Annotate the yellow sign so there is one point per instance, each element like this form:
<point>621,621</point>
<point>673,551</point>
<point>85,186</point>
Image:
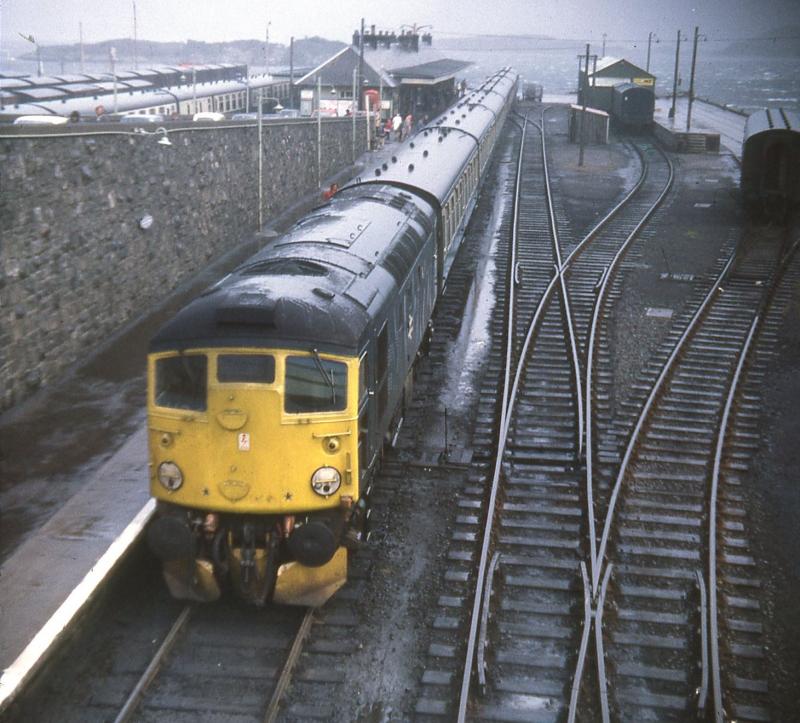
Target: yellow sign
<point>644,81</point>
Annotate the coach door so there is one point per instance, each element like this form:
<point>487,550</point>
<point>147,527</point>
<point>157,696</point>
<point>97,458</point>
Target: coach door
<point>367,432</point>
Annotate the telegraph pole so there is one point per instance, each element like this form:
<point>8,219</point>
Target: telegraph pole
<point>135,39</point>
<point>291,71</point>
<point>583,112</point>
<point>675,78</point>
<point>80,35</point>
<point>691,78</point>
<point>357,101</point>
<point>604,46</point>
<point>650,37</point>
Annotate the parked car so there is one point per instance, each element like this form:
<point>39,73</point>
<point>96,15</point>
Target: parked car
<point>208,115</point>
<point>40,120</point>
<point>142,118</point>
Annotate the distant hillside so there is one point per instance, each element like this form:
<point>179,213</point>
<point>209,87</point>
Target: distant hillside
<point>307,51</point>
<point>499,42</point>
<point>783,42</point>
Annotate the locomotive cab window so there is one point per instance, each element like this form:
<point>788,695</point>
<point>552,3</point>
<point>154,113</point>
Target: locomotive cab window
<point>246,368</point>
<point>314,384</point>
<point>181,382</point>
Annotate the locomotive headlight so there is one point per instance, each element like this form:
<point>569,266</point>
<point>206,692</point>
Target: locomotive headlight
<point>170,476</point>
<point>325,481</point>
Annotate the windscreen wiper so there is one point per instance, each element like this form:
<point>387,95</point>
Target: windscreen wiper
<point>327,376</point>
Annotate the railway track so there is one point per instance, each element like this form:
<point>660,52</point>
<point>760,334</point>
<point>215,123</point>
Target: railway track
<point>523,628</point>
<point>678,616</point>
<point>203,669</point>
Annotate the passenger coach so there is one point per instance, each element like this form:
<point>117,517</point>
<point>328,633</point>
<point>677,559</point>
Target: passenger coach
<point>771,163</point>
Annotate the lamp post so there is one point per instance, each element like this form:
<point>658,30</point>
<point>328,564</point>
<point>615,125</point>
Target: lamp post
<point>583,112</point>
<point>675,77</point>
<point>32,40</point>
<point>380,94</point>
<point>266,51</point>
<point>366,113</point>
<point>260,164</point>
<point>319,131</point>
<point>112,55</point>
<point>697,37</point>
<point>650,37</point>
<point>353,113</point>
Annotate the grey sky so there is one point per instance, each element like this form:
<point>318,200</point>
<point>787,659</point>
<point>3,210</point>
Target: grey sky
<point>213,20</point>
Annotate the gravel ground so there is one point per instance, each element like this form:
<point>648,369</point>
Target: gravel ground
<point>774,497</point>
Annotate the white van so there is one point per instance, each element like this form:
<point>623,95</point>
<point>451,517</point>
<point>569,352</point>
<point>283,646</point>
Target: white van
<point>40,120</point>
<point>208,115</point>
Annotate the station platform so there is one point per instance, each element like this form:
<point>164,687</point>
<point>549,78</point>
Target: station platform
<point>58,570</point>
<point>54,574</point>
<point>707,120</point>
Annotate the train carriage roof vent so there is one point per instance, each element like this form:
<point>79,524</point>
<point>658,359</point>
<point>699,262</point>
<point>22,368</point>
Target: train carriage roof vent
<point>285,267</point>
<point>323,293</point>
<point>248,309</point>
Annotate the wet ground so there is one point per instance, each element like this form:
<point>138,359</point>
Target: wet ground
<point>50,445</point>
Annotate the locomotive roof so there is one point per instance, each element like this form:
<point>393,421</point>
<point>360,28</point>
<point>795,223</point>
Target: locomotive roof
<point>321,285</point>
<point>433,158</point>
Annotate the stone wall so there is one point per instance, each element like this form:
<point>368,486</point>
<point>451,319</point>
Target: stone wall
<point>76,264</point>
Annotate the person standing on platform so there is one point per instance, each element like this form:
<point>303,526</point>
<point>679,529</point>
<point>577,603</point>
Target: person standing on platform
<point>408,125</point>
<point>397,126</point>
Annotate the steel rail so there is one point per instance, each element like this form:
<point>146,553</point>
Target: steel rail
<point>667,368</point>
<point>713,604</point>
<point>288,667</point>
<point>702,691</point>
<point>132,703</point>
<point>602,683</point>
<point>504,403</point>
<point>716,683</point>
<point>487,599</point>
<point>590,352</point>
<point>600,292</point>
<point>508,402</point>
<point>576,367</point>
<point>587,629</point>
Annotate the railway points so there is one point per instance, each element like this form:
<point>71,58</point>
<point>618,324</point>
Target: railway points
<point>665,270</point>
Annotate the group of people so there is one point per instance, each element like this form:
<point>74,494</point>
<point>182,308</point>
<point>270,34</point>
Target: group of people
<point>397,125</point>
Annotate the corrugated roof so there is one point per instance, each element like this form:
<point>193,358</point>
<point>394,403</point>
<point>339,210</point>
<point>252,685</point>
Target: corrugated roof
<point>434,70</point>
<point>610,67</point>
<point>338,70</point>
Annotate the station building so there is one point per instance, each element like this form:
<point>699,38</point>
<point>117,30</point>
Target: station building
<point>604,75</point>
<point>400,73</point>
